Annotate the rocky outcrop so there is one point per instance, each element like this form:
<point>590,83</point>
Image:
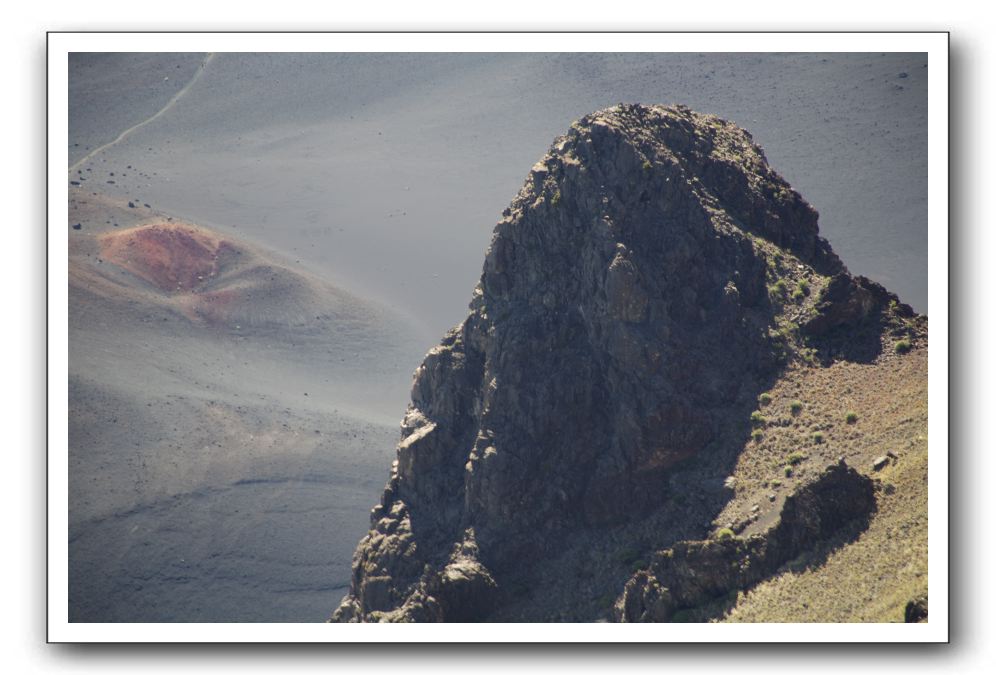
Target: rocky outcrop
<point>632,306</point>
<point>849,317</point>
<point>693,573</point>
<point>916,610</point>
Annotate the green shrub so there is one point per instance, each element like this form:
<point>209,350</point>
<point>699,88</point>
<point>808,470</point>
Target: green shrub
<point>788,472</point>
<point>764,399</point>
<point>797,294</point>
<point>780,287</point>
<point>756,435</point>
<point>903,346</point>
<point>724,534</point>
<point>796,457</point>
<point>796,407</point>
<point>647,166</point>
<point>555,200</point>
<point>803,286</point>
<point>851,417</point>
<point>757,419</point>
<point>776,482</point>
<point>818,437</point>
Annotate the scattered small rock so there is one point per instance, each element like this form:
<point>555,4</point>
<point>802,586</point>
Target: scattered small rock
<point>131,205</point>
<point>78,226</point>
<point>771,497</point>
<point>891,454</point>
<point>904,75</point>
<point>880,463</point>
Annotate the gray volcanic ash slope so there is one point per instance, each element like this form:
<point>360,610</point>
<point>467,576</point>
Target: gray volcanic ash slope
<point>203,448</point>
<point>652,280</point>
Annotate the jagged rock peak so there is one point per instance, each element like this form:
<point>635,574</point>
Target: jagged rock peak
<point>633,304</point>
<point>677,148</point>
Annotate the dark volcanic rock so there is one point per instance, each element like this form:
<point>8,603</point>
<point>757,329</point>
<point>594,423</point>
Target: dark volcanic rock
<point>693,573</point>
<point>623,319</point>
<point>848,317</point>
<point>916,610</point>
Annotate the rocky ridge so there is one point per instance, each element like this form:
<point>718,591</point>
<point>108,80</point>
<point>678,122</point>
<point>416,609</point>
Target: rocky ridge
<point>653,278</point>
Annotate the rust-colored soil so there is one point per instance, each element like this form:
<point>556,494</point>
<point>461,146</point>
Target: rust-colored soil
<point>174,257</point>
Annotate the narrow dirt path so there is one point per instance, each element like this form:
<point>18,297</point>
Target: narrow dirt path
<point>169,104</point>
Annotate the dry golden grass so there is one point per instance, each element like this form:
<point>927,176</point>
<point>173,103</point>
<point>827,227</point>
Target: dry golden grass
<point>872,578</point>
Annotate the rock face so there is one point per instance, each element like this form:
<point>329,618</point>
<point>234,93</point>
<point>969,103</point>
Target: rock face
<point>693,573</point>
<point>634,302</point>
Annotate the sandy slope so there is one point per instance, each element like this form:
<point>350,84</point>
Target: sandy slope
<point>222,458</point>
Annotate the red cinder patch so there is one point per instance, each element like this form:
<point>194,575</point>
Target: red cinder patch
<point>174,257</point>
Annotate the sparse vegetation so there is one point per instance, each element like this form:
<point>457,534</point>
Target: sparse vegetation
<point>819,400</point>
<point>647,166</point>
<point>796,457</point>
<point>788,330</point>
<point>803,286</point>
<point>779,287</point>
<point>555,200</point>
<point>903,346</point>
<point>724,534</point>
<point>764,399</point>
<point>851,417</point>
<point>798,294</point>
<point>756,435</point>
<point>757,419</point>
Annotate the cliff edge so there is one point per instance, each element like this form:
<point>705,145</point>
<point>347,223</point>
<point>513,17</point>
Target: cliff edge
<point>655,307</point>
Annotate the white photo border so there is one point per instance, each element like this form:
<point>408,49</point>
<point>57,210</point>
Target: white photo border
<point>60,44</point>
